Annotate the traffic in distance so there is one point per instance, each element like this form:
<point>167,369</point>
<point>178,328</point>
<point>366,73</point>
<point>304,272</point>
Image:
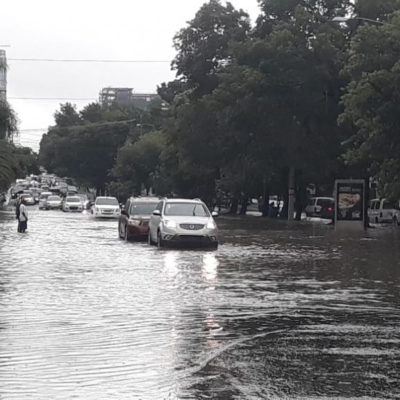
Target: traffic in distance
<point>160,221</point>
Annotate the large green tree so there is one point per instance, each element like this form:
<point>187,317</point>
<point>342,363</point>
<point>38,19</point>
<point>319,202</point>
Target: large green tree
<point>203,46</point>
<point>273,104</point>
<point>84,145</point>
<point>86,153</point>
<point>137,165</point>
<point>372,102</point>
<point>8,127</point>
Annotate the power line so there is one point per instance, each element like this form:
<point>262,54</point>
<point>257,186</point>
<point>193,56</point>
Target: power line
<point>55,98</point>
<point>89,60</point>
<point>33,129</point>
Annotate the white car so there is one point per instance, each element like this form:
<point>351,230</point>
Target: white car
<point>72,203</point>
<point>382,210</point>
<point>43,199</point>
<point>53,202</point>
<point>106,207</point>
<point>183,221</point>
<point>322,207</point>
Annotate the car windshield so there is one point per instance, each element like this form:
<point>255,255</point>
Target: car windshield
<point>389,205</point>
<point>186,209</point>
<point>107,202</point>
<point>54,198</point>
<point>73,200</point>
<point>142,208</point>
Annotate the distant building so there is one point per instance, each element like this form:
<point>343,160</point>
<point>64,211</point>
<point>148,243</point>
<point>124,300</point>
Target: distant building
<point>120,96</point>
<point>144,100</point>
<point>125,97</point>
<point>3,75</point>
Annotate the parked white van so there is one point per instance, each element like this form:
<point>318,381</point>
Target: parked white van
<point>382,210</point>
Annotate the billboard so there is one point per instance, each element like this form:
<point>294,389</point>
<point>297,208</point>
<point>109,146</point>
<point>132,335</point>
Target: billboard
<point>350,203</point>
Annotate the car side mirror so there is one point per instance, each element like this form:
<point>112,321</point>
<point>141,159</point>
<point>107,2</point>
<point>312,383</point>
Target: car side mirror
<point>214,214</point>
<point>157,212</point>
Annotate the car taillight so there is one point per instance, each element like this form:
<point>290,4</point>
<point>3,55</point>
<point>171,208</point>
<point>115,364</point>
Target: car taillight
<point>330,208</point>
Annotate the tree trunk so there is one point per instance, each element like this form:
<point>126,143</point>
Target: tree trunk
<point>243,208</point>
<point>234,206</point>
<point>298,206</point>
<point>265,204</point>
<point>301,196</point>
<point>284,212</point>
<point>291,195</point>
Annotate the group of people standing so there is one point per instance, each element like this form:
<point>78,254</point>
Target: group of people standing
<point>21,214</point>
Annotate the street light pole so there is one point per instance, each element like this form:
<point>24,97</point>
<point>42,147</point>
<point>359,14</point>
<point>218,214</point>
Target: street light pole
<point>347,19</point>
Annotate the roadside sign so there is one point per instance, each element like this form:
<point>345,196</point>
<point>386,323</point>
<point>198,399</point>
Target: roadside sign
<point>350,204</point>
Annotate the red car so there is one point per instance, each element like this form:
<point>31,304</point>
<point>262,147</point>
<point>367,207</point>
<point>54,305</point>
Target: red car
<point>134,219</point>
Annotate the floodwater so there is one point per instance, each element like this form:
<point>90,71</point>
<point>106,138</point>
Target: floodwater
<point>278,312</point>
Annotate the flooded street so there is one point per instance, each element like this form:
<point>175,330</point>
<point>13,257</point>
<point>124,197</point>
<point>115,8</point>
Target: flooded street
<point>275,313</point>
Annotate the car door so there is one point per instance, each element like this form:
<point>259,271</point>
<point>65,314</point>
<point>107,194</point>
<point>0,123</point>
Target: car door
<point>155,221</point>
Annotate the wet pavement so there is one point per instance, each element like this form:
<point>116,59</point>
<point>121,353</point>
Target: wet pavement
<point>278,312</point>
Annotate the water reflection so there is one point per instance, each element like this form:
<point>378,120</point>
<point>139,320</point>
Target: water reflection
<point>210,267</point>
<point>171,263</point>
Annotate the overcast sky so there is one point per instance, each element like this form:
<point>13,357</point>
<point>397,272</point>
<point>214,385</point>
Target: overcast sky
<point>87,29</point>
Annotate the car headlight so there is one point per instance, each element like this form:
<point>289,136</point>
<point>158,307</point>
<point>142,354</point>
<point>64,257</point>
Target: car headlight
<point>211,225</point>
<point>170,223</point>
<point>134,222</point>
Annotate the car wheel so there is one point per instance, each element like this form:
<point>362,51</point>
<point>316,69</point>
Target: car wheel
<point>160,242</point>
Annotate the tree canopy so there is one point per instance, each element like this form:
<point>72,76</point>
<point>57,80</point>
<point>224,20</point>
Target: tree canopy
<point>250,104</point>
<point>372,102</point>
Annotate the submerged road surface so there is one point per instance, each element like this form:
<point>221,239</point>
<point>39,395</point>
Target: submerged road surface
<point>278,312</point>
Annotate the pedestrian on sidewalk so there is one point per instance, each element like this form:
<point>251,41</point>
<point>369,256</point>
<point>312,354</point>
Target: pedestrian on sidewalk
<point>22,217</point>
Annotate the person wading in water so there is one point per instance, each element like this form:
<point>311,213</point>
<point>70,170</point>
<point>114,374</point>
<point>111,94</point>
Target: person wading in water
<point>22,216</point>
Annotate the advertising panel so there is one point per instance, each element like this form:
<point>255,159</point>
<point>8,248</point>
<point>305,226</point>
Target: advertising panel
<point>350,202</point>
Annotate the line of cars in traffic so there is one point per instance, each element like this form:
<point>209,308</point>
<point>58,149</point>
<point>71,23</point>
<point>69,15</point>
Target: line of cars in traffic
<point>162,222</point>
<point>73,202</point>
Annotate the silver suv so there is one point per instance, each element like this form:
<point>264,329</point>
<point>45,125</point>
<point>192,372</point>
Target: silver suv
<point>183,221</point>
